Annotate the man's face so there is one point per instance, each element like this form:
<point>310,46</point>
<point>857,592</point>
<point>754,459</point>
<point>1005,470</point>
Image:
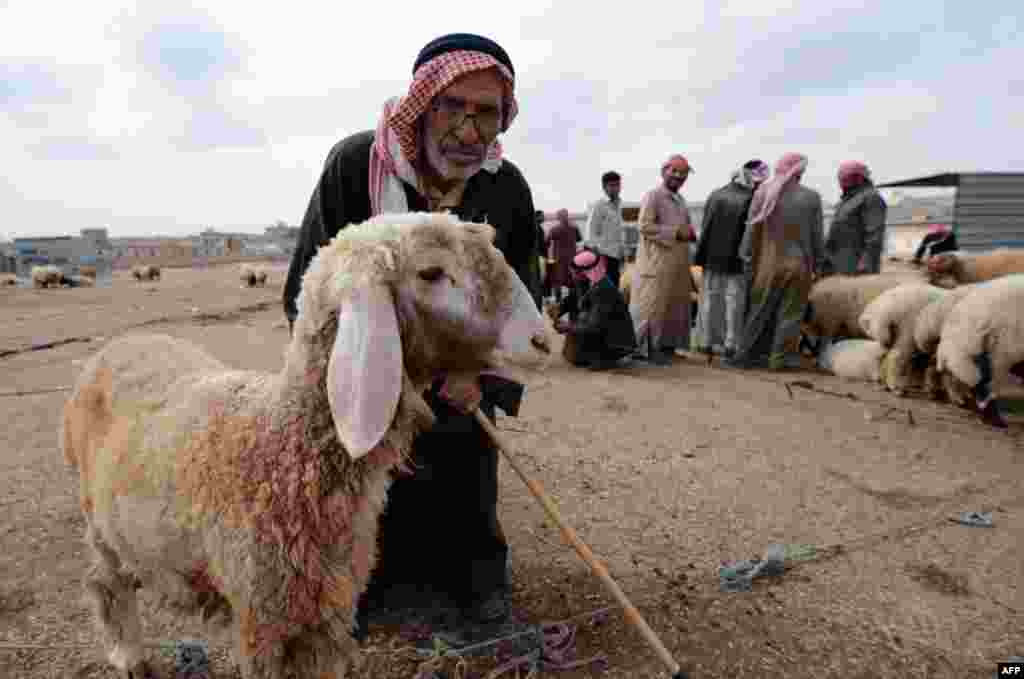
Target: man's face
<point>674,178</point>
<point>460,124</point>
<point>612,189</point>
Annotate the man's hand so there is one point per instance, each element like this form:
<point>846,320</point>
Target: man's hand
<point>462,392</point>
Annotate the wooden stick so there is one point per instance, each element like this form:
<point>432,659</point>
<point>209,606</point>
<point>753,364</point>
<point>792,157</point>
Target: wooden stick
<point>632,614</point>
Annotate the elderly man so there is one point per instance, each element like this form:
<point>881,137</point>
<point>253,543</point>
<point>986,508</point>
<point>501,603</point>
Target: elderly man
<point>660,297</point>
<point>560,246</point>
<point>601,325</point>
<point>436,149</point>
<point>723,301</point>
<point>782,251</point>
<point>604,228</point>
<point>856,238</point>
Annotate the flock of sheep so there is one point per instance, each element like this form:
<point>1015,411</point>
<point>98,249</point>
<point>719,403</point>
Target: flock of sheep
<point>253,498</point>
<point>50,276</point>
<point>925,330</point>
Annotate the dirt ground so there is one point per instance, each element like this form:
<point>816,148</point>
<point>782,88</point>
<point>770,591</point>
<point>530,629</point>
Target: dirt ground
<point>664,472</point>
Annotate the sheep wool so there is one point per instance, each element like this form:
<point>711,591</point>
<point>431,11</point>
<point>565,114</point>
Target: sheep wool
<point>989,319</point>
<point>890,320</point>
<point>835,303</point>
<point>854,359</point>
<point>46,276</point>
<point>254,498</point>
<point>978,267</point>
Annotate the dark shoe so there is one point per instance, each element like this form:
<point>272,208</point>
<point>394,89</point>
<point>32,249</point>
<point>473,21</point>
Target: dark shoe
<point>493,608</point>
<point>660,358</point>
<point>600,366</point>
<point>991,416</point>
<point>729,353</point>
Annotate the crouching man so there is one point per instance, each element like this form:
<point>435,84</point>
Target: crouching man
<point>602,329</point>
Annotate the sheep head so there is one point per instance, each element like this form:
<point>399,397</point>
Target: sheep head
<point>410,297</point>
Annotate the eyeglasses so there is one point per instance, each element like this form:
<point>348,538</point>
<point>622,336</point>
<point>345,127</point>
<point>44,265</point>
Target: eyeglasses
<point>486,120</point>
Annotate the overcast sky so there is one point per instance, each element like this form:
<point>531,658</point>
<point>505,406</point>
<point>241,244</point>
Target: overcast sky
<point>158,118</point>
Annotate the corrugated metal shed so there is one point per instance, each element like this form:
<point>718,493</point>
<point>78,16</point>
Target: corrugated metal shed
<point>988,210</point>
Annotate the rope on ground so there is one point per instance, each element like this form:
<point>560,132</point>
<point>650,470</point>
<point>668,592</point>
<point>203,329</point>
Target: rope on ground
<point>252,307</point>
<point>32,392</point>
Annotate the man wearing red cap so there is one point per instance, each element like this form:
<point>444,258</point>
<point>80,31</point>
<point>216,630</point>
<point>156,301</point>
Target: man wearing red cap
<point>436,149</point>
<point>856,238</point>
<point>660,298</point>
<point>602,327</point>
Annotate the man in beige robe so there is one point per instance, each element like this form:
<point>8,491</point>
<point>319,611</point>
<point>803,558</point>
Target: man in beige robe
<point>660,296</point>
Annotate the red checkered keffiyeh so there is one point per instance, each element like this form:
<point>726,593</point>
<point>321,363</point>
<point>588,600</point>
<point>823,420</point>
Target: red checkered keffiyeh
<point>396,144</point>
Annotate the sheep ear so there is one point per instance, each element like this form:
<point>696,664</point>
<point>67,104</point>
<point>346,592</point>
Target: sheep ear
<point>364,374</point>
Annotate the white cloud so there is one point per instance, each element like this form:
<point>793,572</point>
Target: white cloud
<point>158,117</point>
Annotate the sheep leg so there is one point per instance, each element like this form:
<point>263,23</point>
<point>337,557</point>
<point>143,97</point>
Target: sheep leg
<point>116,609</point>
<point>933,382</point>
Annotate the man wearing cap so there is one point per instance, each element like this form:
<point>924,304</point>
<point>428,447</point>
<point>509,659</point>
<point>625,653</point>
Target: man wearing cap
<point>940,238</point>
<point>602,326</point>
<point>660,297</point>
<point>856,238</point>
<point>436,149</point>
<point>723,301</point>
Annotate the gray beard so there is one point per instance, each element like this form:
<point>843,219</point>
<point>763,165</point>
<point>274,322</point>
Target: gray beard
<point>445,169</point>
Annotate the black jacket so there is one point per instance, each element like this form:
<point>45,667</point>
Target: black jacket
<point>603,317</point>
<point>721,231</point>
<point>342,197</point>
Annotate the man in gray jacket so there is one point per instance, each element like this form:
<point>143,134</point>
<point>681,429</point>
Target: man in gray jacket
<point>857,237</point>
<point>604,228</point>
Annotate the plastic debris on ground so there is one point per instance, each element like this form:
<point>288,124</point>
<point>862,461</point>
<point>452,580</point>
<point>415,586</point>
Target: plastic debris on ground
<point>191,660</point>
<point>738,576</point>
<point>977,519</point>
<point>515,645</point>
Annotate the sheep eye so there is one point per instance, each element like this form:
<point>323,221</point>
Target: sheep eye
<point>432,274</point>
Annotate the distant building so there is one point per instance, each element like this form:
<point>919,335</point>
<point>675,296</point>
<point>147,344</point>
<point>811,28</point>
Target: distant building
<point>987,207</point>
<point>69,253</point>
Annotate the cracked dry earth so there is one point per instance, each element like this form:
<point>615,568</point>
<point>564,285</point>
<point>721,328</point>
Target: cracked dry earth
<point>664,472</point>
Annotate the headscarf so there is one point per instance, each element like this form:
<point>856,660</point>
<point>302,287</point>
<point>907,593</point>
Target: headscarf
<point>676,162</point>
<point>396,145</point>
<point>849,169</point>
<point>787,171</point>
<point>752,173</point>
<point>590,265</point>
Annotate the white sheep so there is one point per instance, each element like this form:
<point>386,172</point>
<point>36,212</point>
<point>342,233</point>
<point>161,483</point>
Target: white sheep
<point>146,272</point>
<point>855,359</point>
<point>988,320</point>
<point>927,331</point>
<point>253,275</point>
<point>890,319</point>
<point>836,302</point>
<point>259,494</point>
<point>46,276</point>
<point>964,268</point>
